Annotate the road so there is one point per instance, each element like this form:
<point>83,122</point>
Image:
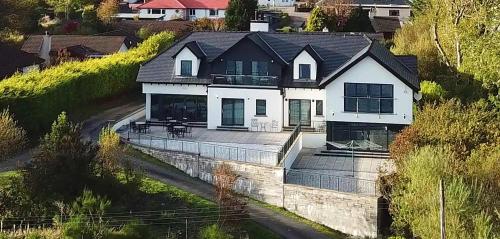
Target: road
<point>276,222</point>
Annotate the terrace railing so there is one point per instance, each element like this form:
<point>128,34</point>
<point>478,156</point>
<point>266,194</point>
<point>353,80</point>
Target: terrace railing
<point>289,142</point>
<point>331,182</point>
<point>217,151</point>
<point>245,80</point>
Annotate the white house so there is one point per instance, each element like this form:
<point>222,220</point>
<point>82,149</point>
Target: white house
<point>347,84</point>
<point>178,9</point>
<point>400,9</point>
<point>276,3</point>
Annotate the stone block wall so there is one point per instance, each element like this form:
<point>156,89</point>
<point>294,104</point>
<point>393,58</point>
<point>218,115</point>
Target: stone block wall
<point>349,213</point>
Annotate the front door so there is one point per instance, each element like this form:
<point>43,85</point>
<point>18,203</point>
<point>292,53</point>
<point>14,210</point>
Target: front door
<point>233,111</point>
<point>299,111</point>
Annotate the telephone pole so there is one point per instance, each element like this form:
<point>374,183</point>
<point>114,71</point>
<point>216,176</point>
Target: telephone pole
<point>441,208</point>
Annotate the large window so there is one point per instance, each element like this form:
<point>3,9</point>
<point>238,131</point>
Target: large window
<point>192,12</point>
<point>304,71</point>
<point>186,68</point>
<point>319,107</point>
<point>192,107</point>
<point>368,98</point>
<point>393,13</point>
<point>260,107</point>
<point>214,12</point>
<point>234,67</point>
<point>259,68</point>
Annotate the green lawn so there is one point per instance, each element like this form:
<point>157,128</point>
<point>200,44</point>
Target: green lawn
<point>6,176</point>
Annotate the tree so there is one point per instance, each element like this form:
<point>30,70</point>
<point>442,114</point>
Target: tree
<point>316,21</point>
<point>239,14</point>
<point>12,137</point>
<point>66,7</point>
<point>231,206</point>
<point>106,10</point>
<point>109,152</point>
<point>64,164</point>
<point>339,12</point>
<point>20,15</point>
<point>207,24</point>
<point>357,21</point>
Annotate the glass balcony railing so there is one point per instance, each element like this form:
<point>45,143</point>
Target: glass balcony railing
<point>245,80</point>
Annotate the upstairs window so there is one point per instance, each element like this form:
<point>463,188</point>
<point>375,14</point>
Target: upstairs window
<point>234,67</point>
<point>394,13</point>
<point>186,68</point>
<point>259,68</point>
<point>214,12</point>
<point>260,107</point>
<point>304,71</point>
<point>368,98</point>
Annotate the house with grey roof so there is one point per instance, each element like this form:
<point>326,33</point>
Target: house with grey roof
<point>399,9</point>
<point>346,86</point>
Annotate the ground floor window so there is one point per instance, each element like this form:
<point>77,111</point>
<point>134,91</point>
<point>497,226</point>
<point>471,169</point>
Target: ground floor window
<point>233,112</point>
<point>365,136</point>
<point>192,107</point>
<point>299,111</point>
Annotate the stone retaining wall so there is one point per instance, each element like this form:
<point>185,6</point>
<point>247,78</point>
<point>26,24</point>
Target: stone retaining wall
<point>349,213</point>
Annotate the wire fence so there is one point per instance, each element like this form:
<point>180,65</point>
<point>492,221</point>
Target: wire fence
<point>206,149</point>
<point>331,182</point>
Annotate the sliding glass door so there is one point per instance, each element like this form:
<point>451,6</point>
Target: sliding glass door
<point>299,111</point>
<point>233,111</point>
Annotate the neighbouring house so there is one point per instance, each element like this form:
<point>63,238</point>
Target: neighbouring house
<point>347,83</point>
<point>386,25</point>
<point>75,47</point>
<point>174,9</point>
<point>131,27</point>
<point>379,8</point>
<point>13,60</point>
<point>276,3</point>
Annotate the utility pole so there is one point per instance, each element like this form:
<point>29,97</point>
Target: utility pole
<point>441,208</point>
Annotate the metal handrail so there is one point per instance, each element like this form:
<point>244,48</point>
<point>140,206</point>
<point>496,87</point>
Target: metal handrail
<point>244,80</point>
<point>289,142</point>
<point>214,150</point>
<point>331,182</point>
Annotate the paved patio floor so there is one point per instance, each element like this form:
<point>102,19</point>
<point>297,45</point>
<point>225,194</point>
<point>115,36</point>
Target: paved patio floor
<point>263,140</point>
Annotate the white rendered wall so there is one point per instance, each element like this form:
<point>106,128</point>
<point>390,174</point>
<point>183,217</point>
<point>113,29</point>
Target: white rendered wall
<point>384,12</point>
<point>123,48</point>
<point>259,26</point>
<point>202,13</point>
<point>186,54</point>
<point>274,110</point>
<point>169,14</point>
<point>369,71</point>
<point>304,94</point>
<point>174,89</point>
<point>304,58</point>
<point>277,3</point>
<point>313,140</point>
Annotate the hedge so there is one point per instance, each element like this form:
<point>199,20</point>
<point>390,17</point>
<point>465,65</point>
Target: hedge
<point>37,98</point>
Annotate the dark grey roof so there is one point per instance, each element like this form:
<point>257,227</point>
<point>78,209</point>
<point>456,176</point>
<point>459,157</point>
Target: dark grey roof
<point>410,61</point>
<point>335,49</point>
<point>385,24</point>
<point>194,47</point>
<point>13,59</point>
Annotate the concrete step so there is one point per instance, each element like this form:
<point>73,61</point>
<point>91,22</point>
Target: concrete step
<point>197,124</point>
<point>303,128</point>
<point>232,128</point>
<point>355,154</point>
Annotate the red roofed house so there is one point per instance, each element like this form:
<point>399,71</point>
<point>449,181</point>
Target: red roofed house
<point>181,9</point>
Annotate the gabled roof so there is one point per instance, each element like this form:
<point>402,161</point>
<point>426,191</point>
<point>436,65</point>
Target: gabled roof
<point>185,4</point>
<point>194,47</point>
<point>104,44</point>
<point>410,61</point>
<point>13,59</point>
<point>385,58</point>
<point>313,53</point>
<point>338,51</point>
<point>385,24</point>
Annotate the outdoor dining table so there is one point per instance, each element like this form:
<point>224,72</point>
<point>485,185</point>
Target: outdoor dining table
<point>141,126</point>
<point>179,129</point>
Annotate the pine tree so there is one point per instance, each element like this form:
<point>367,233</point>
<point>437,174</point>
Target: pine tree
<point>239,14</point>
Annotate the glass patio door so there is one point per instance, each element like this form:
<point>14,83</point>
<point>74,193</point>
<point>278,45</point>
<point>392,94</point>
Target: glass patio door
<point>299,111</point>
<point>233,111</point>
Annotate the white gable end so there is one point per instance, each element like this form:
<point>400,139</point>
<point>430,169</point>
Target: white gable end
<point>369,71</point>
<point>304,58</point>
<point>187,55</point>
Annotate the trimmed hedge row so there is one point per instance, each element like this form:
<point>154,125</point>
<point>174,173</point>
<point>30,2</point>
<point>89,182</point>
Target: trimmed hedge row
<point>37,98</point>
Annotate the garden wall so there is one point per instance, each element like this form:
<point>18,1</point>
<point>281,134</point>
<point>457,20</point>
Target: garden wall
<point>349,213</point>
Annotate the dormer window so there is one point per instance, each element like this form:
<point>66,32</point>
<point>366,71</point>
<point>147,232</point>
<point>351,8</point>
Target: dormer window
<point>186,68</point>
<point>304,71</point>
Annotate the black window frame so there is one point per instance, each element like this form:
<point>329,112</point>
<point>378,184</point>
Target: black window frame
<point>192,12</point>
<point>394,13</point>
<point>215,11</point>
<point>369,98</point>
<point>258,108</point>
<point>183,72</point>
<point>156,11</point>
<point>319,107</point>
<point>308,70</point>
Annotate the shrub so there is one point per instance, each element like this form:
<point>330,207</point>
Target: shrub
<point>432,91</point>
<point>214,232</point>
<point>109,151</point>
<point>12,137</point>
<point>37,98</point>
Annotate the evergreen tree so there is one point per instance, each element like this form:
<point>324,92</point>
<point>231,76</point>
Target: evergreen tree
<point>358,21</point>
<point>317,20</point>
<point>239,13</point>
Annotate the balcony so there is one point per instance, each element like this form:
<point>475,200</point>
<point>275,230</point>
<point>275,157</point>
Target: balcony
<point>245,80</point>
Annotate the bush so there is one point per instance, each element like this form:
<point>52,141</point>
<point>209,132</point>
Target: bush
<point>214,232</point>
<point>37,98</point>
<point>432,91</point>
<point>12,137</point>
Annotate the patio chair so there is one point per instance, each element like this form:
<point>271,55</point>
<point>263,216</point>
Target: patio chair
<point>189,131</point>
<point>274,126</point>
<point>147,127</point>
<point>133,126</point>
<point>254,124</point>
